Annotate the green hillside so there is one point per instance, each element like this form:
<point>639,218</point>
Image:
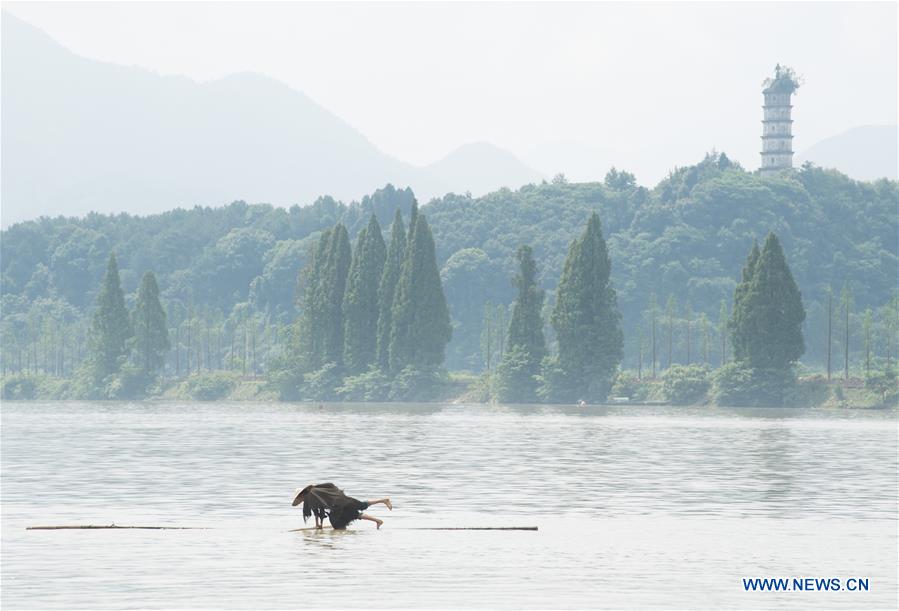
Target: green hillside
<point>685,238</point>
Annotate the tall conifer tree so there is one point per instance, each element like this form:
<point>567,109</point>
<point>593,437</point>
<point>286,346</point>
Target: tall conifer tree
<point>387,288</point>
<point>526,345</point>
<point>768,313</point>
<point>421,324</point>
<point>526,326</point>
<point>111,328</point>
<point>413,217</point>
<point>360,304</point>
<point>309,288</point>
<point>586,318</point>
<point>738,328</point>
<point>151,332</point>
<point>333,287</point>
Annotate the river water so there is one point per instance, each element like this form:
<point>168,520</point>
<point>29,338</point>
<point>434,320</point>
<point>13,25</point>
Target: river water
<point>637,507</point>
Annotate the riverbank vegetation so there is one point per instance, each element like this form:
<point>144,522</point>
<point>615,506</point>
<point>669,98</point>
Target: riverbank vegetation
<point>527,290</point>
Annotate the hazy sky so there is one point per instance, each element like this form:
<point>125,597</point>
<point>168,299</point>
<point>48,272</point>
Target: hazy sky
<point>567,87</point>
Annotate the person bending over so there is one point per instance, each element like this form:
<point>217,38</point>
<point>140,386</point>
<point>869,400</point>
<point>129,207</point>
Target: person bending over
<point>329,501</point>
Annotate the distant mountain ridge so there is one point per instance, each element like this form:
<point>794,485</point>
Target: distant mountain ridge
<point>472,165</point>
<point>80,135</point>
<point>869,152</point>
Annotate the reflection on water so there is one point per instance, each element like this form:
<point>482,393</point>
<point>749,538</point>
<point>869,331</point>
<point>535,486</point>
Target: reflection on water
<point>637,507</point>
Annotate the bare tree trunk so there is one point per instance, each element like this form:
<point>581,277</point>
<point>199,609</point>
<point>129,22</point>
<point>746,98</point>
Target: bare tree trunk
<point>723,349</point>
<point>640,360</point>
<point>846,341</point>
<point>829,331</point>
<point>62,355</point>
<point>867,351</point>
<point>689,339</point>
<point>706,356</point>
<point>670,342</point>
<point>488,343</point>
<point>189,325</point>
<point>147,340</point>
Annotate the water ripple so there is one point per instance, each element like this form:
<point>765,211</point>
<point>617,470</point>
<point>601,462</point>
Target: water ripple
<point>645,507</point>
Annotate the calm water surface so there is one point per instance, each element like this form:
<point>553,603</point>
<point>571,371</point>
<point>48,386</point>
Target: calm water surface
<point>637,507</point>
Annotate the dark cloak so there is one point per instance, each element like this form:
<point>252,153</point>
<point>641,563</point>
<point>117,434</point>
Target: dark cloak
<point>329,501</point>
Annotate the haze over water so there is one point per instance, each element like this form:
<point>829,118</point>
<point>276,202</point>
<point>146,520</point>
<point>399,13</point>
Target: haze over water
<point>637,507</point>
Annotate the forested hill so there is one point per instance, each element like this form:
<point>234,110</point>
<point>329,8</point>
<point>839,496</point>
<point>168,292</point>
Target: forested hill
<point>685,238</point>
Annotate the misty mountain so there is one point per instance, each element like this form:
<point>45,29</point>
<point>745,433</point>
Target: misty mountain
<point>481,168</point>
<point>80,135</point>
<point>864,153</point>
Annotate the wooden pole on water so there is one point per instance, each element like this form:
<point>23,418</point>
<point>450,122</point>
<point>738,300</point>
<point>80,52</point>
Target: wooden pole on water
<point>532,528</point>
<point>474,528</point>
<point>310,528</point>
<point>98,526</point>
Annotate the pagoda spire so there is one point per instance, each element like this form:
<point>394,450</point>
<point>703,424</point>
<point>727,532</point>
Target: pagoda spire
<point>777,124</point>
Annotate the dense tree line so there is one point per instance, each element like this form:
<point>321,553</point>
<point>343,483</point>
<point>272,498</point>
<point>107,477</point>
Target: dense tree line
<point>126,350</point>
<point>227,275</point>
<point>374,322</point>
<point>332,350</point>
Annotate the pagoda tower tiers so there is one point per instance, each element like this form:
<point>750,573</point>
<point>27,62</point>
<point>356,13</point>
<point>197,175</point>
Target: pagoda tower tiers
<point>777,124</point>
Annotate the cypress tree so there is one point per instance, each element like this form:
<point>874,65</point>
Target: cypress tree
<point>413,217</point>
<point>738,328</point>
<point>311,322</point>
<point>526,343</point>
<point>151,332</point>
<point>332,289</point>
<point>526,326</point>
<point>360,304</point>
<point>586,318</point>
<point>768,312</point>
<point>387,288</point>
<point>421,324</point>
<point>111,328</point>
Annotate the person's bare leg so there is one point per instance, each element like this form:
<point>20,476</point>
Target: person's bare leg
<point>382,502</point>
<point>365,516</point>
